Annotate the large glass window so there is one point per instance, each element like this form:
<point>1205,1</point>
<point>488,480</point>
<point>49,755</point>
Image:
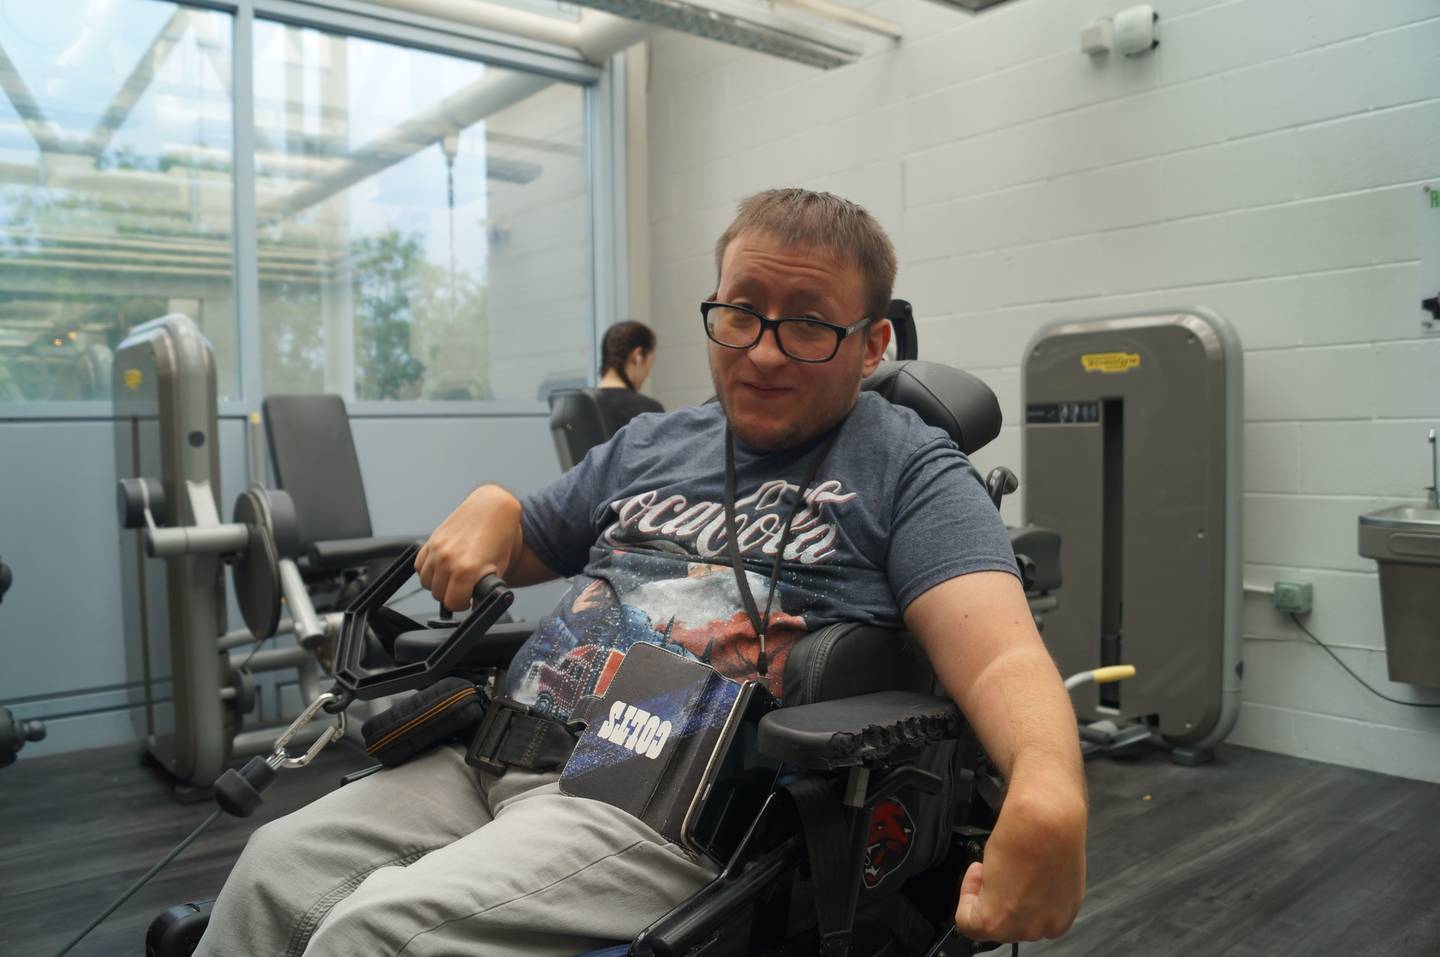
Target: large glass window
<point>422,222</point>
<point>115,187</point>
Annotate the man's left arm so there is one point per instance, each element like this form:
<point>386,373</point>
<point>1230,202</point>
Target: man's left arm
<point>979,635</point>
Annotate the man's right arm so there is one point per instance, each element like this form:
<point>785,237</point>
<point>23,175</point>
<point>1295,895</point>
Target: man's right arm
<point>483,536</point>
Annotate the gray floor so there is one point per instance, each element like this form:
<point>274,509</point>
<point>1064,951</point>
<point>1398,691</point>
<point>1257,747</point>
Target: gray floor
<point>1256,854</point>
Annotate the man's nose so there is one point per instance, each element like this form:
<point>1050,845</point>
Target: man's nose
<point>767,352</point>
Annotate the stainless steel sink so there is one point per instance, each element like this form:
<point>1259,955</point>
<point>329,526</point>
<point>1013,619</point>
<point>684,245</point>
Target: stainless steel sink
<point>1404,533</point>
<point>1405,542</point>
<point>1404,514</point>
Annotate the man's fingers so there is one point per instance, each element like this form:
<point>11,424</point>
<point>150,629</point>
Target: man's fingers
<point>440,583</point>
<point>459,591</point>
<point>968,911</point>
<point>970,884</point>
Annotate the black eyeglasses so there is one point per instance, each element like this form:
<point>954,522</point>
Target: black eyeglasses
<point>800,338</point>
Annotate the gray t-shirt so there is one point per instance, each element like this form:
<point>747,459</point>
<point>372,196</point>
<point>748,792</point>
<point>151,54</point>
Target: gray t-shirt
<point>640,524</point>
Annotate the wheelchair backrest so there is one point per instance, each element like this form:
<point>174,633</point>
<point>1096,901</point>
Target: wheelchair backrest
<point>947,398</point>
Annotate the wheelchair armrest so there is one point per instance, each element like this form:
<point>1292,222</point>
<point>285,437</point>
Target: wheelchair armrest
<point>494,649</point>
<point>865,730</point>
<point>347,552</point>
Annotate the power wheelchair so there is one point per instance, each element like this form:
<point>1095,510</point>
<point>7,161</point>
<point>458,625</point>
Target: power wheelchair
<point>889,796</point>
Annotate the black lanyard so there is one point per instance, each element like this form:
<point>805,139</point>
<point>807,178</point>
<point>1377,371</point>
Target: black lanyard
<point>731,536</point>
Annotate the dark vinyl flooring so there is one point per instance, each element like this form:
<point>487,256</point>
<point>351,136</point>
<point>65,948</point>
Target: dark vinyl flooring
<point>1255,854</point>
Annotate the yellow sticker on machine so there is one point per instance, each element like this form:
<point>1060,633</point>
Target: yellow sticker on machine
<point>1108,362</point>
<point>133,378</point>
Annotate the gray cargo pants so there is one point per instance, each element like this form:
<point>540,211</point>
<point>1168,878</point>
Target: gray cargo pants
<point>433,857</point>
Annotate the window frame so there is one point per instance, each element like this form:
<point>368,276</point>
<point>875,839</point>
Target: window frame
<point>605,167</point>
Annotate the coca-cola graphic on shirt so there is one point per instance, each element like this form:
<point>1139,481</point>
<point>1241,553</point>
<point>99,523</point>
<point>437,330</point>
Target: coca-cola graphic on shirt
<point>666,579</point>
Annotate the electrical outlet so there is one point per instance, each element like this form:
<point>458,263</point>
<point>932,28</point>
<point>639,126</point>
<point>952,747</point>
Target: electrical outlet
<point>1294,597</point>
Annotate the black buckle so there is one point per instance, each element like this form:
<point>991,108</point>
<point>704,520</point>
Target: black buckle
<point>500,716</point>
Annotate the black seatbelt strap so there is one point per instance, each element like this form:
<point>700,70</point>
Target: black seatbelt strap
<point>827,844</point>
<point>733,546</point>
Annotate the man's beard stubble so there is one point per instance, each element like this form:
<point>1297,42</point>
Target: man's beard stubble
<point>798,433</point>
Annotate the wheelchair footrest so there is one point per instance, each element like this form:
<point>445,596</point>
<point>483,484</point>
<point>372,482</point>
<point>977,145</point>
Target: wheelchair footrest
<point>866,730</point>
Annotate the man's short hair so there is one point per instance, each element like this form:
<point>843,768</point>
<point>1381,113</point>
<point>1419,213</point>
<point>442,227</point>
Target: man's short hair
<point>825,222</point>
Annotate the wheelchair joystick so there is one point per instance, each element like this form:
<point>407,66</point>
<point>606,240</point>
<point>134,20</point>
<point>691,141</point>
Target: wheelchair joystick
<point>1000,483</point>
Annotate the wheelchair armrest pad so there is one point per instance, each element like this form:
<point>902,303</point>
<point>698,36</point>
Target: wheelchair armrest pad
<point>494,649</point>
<point>865,730</point>
<point>356,551</point>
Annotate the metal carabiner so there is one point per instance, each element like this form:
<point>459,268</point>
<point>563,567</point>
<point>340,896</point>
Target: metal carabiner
<point>329,734</point>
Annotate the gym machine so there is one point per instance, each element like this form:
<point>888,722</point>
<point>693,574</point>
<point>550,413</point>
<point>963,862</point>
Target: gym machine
<point>1132,441</point>
<point>178,649</point>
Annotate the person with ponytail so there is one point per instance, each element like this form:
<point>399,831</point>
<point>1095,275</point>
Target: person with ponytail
<point>627,353</point>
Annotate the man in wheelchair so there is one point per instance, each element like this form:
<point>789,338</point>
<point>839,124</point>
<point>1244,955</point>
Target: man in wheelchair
<point>723,532</point>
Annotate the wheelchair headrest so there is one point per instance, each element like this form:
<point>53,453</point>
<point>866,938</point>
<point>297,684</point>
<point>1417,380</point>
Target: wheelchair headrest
<point>942,396</point>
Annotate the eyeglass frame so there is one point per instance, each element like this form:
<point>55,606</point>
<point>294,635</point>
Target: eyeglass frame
<point>841,332</point>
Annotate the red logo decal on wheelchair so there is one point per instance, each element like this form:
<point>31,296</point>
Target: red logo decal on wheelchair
<point>891,831</point>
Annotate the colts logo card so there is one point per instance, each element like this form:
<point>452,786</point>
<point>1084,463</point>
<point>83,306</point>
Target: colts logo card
<point>649,740</point>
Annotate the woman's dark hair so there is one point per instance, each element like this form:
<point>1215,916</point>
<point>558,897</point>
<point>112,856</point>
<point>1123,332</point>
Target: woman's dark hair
<point>620,340</point>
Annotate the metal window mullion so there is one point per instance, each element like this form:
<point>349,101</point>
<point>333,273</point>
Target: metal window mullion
<point>247,253</point>
<point>601,176</point>
<point>618,186</point>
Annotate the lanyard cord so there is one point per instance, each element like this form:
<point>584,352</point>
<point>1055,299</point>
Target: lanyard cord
<point>733,546</point>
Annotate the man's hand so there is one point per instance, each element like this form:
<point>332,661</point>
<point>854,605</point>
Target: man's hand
<point>481,537</point>
<point>1032,880</point>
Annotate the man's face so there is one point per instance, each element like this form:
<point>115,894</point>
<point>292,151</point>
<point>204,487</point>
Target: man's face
<point>770,400</point>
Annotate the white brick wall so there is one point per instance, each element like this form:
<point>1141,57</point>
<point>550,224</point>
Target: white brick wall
<point>1264,162</point>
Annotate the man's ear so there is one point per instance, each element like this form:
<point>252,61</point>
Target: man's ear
<point>877,340</point>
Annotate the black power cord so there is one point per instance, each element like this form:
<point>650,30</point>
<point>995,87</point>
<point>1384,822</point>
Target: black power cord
<point>1409,704</point>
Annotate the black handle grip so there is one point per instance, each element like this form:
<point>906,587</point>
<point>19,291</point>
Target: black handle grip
<point>483,589</point>
<point>134,495</point>
<point>486,586</point>
<point>1000,483</point>
<point>491,598</point>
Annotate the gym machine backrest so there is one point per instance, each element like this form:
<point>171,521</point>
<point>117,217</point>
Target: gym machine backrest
<point>313,454</point>
<point>581,419</point>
